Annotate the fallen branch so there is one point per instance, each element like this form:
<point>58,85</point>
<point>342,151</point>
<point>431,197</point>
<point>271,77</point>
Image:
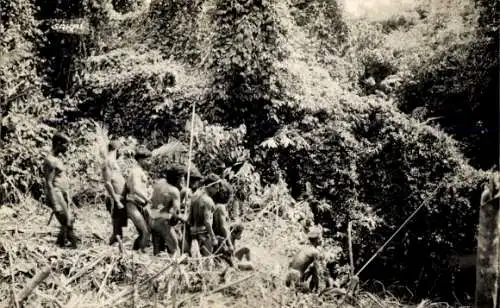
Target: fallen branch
<point>15,230</point>
<point>33,283</point>
<point>221,288</point>
<point>336,291</point>
<point>97,236</point>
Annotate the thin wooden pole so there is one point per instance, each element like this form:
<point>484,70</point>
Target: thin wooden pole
<point>351,255</point>
<point>186,207</point>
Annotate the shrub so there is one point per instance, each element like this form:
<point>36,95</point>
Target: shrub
<point>138,93</point>
<point>457,85</point>
<point>369,164</point>
<point>22,135</point>
<point>244,82</point>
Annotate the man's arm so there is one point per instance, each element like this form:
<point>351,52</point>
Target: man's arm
<point>208,208</point>
<point>50,173</point>
<point>225,227</point>
<point>176,207</point>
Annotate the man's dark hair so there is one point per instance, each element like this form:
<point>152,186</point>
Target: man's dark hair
<point>174,174</point>
<point>223,190</point>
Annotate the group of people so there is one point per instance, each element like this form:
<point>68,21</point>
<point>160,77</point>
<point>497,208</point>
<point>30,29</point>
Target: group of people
<point>155,211</point>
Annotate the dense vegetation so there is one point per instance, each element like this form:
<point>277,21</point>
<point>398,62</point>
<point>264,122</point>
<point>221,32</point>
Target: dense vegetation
<point>285,90</point>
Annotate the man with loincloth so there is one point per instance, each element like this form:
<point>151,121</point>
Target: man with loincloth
<point>57,190</point>
<point>138,197</point>
<point>114,182</point>
<point>200,217</point>
<point>220,223</point>
<point>166,203</point>
<point>187,193</point>
<point>306,263</point>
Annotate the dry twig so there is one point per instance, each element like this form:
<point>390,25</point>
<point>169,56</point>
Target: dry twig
<point>103,283</point>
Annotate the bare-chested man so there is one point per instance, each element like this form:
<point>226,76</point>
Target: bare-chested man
<point>137,199</point>
<point>57,190</point>
<point>221,216</point>
<point>200,217</point>
<point>114,182</point>
<point>305,264</point>
<point>166,197</point>
<point>230,253</point>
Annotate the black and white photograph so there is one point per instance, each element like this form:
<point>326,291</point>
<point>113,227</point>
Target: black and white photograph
<point>249,153</point>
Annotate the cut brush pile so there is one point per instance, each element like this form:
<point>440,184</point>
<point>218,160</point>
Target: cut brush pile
<point>97,275</point>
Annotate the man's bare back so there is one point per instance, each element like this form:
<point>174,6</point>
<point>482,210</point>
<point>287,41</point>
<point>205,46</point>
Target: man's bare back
<point>304,258</point>
<point>166,197</point>
<point>201,211</point>
<point>114,182</point>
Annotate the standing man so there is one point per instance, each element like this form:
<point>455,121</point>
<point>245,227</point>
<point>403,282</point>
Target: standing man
<point>138,197</point>
<point>221,216</point>
<point>114,182</point>
<point>200,217</point>
<point>166,196</point>
<point>187,194</point>
<point>57,189</point>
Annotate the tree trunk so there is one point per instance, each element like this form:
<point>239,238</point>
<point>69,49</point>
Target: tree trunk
<point>487,249</point>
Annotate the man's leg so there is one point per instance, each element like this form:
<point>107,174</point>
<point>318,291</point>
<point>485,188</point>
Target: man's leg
<point>312,272</point>
<point>135,215</point>
<point>292,278</point>
<point>171,240</point>
<point>119,221</point>
<point>194,248</point>
<point>156,234</point>
<point>73,239</point>
<point>110,208</point>
<point>61,214</point>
